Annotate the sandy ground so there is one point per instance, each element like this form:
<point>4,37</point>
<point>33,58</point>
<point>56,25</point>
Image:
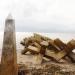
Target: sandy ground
<point>27,59</point>
<point>32,60</point>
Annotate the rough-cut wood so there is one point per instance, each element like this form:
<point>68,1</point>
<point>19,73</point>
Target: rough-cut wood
<point>53,49</point>
<point>51,42</point>
<point>9,56</point>
<point>36,45</point>
<point>72,56</point>
<point>46,59</point>
<point>60,55</point>
<point>44,43</point>
<point>71,45</point>
<point>66,50</point>
<point>37,37</point>
<point>38,58</point>
<point>72,42</point>
<point>68,59</point>
<point>51,54</point>
<point>33,49</point>
<point>55,56</point>
<point>60,44</point>
<point>63,61</point>
<point>41,37</point>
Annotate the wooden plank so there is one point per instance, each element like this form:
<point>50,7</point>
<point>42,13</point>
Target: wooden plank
<point>41,37</point>
<point>62,46</point>
<point>72,56</point>
<point>38,58</point>
<point>51,54</point>
<point>44,43</point>
<point>60,55</point>
<point>63,61</point>
<point>37,37</point>
<point>59,43</point>
<point>51,42</point>
<point>36,45</point>
<point>46,59</point>
<point>33,49</point>
<point>68,59</point>
<point>54,55</point>
<point>71,44</point>
<point>65,51</point>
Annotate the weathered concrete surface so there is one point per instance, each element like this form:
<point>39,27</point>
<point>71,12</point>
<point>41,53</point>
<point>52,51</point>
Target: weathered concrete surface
<point>9,57</point>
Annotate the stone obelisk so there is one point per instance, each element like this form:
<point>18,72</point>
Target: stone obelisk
<point>9,56</point>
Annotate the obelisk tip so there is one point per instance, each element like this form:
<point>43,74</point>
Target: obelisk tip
<point>9,16</point>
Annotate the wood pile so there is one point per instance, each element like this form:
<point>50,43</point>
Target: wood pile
<point>55,50</point>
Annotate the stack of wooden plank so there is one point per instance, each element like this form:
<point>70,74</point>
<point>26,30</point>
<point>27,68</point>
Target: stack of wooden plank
<point>55,50</point>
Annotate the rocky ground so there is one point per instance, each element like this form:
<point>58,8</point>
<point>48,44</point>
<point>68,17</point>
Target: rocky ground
<point>50,68</point>
<point>27,66</point>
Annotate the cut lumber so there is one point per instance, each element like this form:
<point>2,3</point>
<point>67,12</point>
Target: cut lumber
<point>55,56</point>
<point>52,49</point>
<point>72,56</point>
<point>51,54</point>
<point>68,59</point>
<point>71,44</point>
<point>44,43</point>
<point>62,46</point>
<point>59,43</point>
<point>51,42</point>
<point>33,49</point>
<point>63,61</point>
<point>36,45</point>
<point>46,59</point>
<point>38,58</point>
<point>37,37</point>
<point>60,55</point>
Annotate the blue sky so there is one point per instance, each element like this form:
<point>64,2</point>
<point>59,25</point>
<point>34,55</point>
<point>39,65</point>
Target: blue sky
<point>39,15</point>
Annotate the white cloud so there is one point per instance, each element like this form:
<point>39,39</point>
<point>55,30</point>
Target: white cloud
<point>49,14</point>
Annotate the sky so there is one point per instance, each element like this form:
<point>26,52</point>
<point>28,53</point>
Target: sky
<point>39,15</point>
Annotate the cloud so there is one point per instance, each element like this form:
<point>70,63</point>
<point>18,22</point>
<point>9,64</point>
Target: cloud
<point>40,15</point>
